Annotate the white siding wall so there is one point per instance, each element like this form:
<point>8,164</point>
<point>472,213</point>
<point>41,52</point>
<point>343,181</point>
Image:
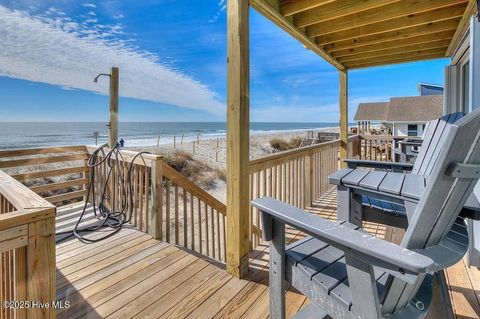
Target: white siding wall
<point>401,129</point>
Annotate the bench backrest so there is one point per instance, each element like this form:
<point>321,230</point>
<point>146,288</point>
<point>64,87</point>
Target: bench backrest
<point>443,198</point>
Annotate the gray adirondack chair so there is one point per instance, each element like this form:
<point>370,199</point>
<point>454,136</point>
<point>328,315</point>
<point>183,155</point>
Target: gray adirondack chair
<point>391,211</point>
<point>347,273</point>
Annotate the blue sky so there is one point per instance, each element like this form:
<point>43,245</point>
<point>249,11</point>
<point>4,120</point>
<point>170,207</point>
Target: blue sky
<point>172,57</point>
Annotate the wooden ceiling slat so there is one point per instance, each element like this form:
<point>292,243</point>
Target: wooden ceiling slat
<point>394,24</point>
<point>434,47</point>
<point>337,9</point>
<point>407,33</point>
<point>290,7</point>
<point>406,8</point>
<point>430,39</point>
<point>463,25</point>
<point>399,59</point>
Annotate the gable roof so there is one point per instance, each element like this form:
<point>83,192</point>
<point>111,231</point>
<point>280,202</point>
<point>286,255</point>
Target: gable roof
<point>376,112</point>
<point>402,109</point>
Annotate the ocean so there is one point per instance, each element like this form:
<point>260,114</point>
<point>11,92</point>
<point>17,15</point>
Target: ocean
<point>38,134</point>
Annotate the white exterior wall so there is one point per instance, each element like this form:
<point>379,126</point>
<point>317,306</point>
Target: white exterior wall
<point>401,129</point>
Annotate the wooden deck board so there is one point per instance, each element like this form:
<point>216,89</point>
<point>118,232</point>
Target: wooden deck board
<point>130,275</point>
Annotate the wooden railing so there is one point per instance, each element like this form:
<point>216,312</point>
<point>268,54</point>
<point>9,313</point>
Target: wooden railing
<point>142,210</point>
<point>27,252</point>
<point>57,174</point>
<point>296,176</point>
<point>166,204</point>
<point>193,218</point>
<point>376,147</point>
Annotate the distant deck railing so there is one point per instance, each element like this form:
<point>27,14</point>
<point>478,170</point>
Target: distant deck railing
<point>27,252</point>
<point>297,176</point>
<point>58,174</point>
<point>376,147</point>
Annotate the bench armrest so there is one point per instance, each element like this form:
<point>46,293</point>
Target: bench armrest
<point>396,167</point>
<point>363,246</point>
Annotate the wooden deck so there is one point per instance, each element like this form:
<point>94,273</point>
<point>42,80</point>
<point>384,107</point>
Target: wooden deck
<point>130,275</point>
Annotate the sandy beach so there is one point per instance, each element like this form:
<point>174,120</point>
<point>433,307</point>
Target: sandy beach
<point>212,151</point>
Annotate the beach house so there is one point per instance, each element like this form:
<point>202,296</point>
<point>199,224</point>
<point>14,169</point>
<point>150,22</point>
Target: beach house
<point>400,116</point>
<point>187,254</point>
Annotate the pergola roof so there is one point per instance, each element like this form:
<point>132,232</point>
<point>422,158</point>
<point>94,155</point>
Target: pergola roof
<point>361,33</point>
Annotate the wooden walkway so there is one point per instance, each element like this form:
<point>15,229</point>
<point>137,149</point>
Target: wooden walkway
<point>130,275</point>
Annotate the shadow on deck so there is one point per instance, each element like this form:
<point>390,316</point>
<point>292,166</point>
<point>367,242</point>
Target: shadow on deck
<point>131,275</point>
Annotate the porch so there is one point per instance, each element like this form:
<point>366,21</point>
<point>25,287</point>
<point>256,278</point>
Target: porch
<point>131,275</point>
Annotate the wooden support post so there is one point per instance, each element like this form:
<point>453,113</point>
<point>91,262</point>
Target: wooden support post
<point>181,140</point>
<point>41,267</point>
<point>114,81</point>
<point>193,147</point>
<point>198,138</point>
<point>238,117</point>
<point>343,118</point>
<point>158,141</point>
<point>156,221</point>
<point>174,142</point>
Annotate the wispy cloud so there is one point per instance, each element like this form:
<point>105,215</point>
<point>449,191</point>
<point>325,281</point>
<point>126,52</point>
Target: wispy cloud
<point>69,52</point>
<point>222,6</point>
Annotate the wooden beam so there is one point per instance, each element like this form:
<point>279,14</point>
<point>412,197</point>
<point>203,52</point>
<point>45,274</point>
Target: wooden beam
<point>462,26</point>
<point>275,16</point>
<point>238,105</point>
<point>427,29</point>
<point>432,47</point>
<point>393,24</point>
<point>114,78</point>
<point>405,8</point>
<point>393,60</point>
<point>40,257</point>
<point>290,7</point>
<point>337,9</point>
<point>343,79</point>
<point>398,43</point>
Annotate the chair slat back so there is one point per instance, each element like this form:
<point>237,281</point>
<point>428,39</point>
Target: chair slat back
<point>443,198</point>
<point>431,145</point>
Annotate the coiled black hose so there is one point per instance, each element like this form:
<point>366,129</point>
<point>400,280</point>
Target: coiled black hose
<point>106,218</point>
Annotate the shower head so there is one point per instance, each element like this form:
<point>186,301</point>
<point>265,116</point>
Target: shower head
<point>95,80</point>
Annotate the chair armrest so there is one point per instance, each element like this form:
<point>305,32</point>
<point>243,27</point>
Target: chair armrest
<point>396,167</point>
<point>363,246</point>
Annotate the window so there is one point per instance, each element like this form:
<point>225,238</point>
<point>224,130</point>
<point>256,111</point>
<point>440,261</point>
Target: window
<point>412,129</point>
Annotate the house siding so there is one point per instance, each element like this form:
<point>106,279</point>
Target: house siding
<point>401,129</point>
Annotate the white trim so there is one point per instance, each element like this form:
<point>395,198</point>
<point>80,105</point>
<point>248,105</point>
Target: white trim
<point>474,92</point>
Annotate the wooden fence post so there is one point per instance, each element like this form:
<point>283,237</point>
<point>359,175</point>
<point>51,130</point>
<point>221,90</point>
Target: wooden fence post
<point>41,273</point>
<point>113,94</point>
<point>156,221</point>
